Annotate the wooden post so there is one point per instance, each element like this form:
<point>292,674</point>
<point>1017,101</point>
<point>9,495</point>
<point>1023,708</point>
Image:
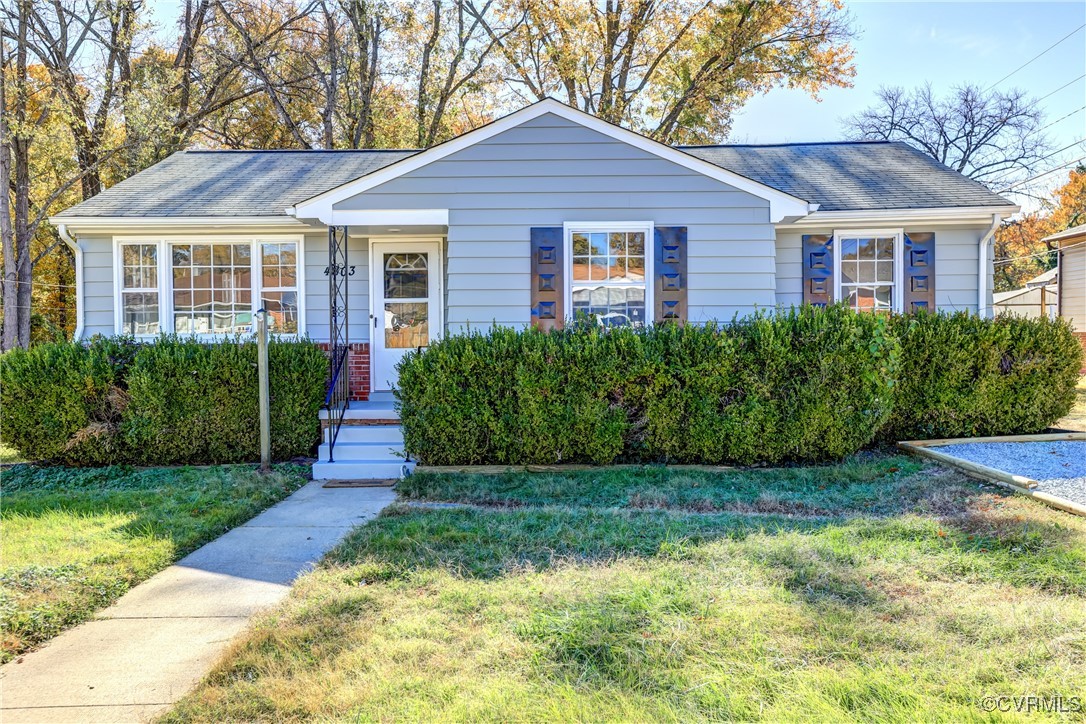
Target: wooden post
<point>262,381</point>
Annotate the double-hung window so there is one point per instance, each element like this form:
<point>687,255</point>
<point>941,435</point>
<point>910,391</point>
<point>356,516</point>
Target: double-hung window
<point>868,270</point>
<point>208,287</point>
<point>610,273</point>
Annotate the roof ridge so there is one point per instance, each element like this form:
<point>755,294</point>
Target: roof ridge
<point>791,144</point>
<point>301,150</point>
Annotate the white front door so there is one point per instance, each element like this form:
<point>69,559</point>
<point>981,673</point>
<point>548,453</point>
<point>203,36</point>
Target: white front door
<point>406,297</point>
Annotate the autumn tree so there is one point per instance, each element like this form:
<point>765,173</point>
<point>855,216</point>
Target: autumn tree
<point>1020,253</point>
<point>987,135</point>
<point>676,71</point>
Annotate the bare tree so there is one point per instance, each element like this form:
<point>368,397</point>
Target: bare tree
<point>362,69</point>
<point>986,135</point>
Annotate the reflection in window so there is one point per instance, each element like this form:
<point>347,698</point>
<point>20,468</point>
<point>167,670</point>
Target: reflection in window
<point>139,289</point>
<point>212,288</point>
<point>407,325</point>
<point>279,285</point>
<point>867,273</point>
<point>609,277</point>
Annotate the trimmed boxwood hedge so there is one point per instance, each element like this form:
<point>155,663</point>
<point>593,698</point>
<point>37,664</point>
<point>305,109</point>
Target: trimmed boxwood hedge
<point>173,401</point>
<point>802,385</point>
<point>767,389</point>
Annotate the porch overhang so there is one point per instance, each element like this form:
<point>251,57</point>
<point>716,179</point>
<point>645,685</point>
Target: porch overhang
<point>384,221</point>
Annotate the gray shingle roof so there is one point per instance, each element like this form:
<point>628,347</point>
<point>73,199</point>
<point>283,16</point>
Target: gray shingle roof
<point>232,183</point>
<point>853,175</point>
<point>838,176</point>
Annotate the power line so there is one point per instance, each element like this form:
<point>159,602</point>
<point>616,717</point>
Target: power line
<point>1005,176</point>
<point>1064,118</point>
<point>1075,80</point>
<point>999,262</point>
<point>1034,178</point>
<point>993,85</point>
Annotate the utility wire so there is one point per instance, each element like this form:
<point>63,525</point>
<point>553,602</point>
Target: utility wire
<point>993,85</point>
<point>1006,176</point>
<point>1034,178</point>
<point>1064,118</point>
<point>1075,80</point>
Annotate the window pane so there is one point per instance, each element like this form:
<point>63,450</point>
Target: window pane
<point>212,291</point>
<point>406,276</point>
<point>611,306</point>
<point>866,271</point>
<point>885,271</point>
<point>618,244</point>
<point>139,266</point>
<point>139,313</point>
<point>885,248</point>
<point>598,268</point>
<point>580,244</point>
<point>407,325</point>
<point>282,309</point>
<point>866,249</point>
<point>848,249</point>
<point>598,244</point>
<point>849,273</point>
<point>580,267</point>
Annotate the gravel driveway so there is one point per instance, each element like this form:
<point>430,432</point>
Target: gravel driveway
<point>1059,467</point>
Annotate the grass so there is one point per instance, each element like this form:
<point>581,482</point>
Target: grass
<point>74,540</point>
<point>910,594</point>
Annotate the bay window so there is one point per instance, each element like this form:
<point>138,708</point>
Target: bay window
<point>609,273</point>
<point>208,287</point>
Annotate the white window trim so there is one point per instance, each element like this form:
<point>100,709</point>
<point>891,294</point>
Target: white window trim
<point>647,227</point>
<point>899,261</point>
<point>165,277</point>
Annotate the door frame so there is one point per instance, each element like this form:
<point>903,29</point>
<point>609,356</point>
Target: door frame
<point>379,244</point>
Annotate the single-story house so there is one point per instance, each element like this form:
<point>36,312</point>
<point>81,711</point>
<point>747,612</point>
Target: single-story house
<point>1071,277</point>
<point>1038,298</point>
<point>538,216</point>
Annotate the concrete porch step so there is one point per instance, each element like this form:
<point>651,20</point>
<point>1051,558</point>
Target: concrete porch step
<point>389,434</point>
<point>351,451</point>
<point>361,469</point>
<point>368,410</point>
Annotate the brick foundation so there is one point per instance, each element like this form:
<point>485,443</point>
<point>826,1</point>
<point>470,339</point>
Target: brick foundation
<point>358,369</point>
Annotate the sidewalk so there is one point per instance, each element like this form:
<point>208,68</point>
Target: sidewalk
<point>139,656</point>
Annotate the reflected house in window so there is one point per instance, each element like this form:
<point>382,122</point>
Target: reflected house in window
<point>608,272</point>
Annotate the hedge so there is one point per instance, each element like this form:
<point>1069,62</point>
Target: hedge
<point>765,389</point>
<point>803,385</point>
<point>174,401</point>
<point>964,376</point>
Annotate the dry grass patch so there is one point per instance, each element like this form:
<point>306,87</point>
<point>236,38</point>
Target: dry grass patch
<point>591,614</point>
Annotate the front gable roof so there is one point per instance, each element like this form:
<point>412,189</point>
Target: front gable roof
<point>320,207</point>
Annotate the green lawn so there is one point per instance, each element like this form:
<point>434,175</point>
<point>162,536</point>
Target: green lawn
<point>881,589</point>
<point>74,540</point>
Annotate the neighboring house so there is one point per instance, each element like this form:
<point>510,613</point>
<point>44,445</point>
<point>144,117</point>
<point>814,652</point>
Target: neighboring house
<point>531,219</point>
<point>1072,277</point>
<point>1038,298</point>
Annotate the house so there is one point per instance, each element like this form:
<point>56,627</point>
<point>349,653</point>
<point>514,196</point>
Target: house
<point>540,215</point>
<point>1038,298</point>
<point>1071,277</point>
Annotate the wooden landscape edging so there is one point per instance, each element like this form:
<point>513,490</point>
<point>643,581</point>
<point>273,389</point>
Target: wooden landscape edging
<point>1017,483</point>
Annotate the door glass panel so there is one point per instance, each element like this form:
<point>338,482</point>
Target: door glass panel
<point>406,276</point>
<point>407,325</point>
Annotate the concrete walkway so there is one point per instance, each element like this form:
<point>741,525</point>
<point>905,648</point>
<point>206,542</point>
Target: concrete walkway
<point>139,656</point>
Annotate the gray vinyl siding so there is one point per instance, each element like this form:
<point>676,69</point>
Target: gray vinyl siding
<point>98,290</point>
<point>549,171</point>
<point>956,250</point>
<point>316,288</point>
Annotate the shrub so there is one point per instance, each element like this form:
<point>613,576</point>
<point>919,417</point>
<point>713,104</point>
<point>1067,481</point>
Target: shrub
<point>61,401</point>
<point>963,376</point>
<point>170,402</point>
<point>765,389</point>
